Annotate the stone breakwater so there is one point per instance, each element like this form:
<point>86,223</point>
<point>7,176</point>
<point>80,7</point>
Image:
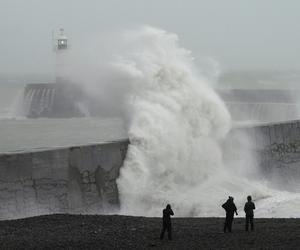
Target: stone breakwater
<point>79,179</point>
<point>82,179</point>
<point>275,148</point>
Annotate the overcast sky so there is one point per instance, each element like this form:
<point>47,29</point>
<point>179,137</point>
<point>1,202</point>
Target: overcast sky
<point>239,34</point>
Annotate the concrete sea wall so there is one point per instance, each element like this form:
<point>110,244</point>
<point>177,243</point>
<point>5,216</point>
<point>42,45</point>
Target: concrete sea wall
<point>276,147</point>
<point>82,179</point>
<point>78,179</point>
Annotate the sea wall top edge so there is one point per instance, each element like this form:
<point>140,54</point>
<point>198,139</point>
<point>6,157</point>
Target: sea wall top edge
<point>254,124</point>
<point>44,149</point>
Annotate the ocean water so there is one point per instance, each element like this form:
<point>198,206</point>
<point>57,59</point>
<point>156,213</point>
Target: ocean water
<point>20,134</point>
<point>10,94</point>
<point>31,134</point>
<point>260,79</point>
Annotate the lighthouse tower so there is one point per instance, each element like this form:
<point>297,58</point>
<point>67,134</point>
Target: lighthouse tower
<point>61,49</point>
<point>59,99</point>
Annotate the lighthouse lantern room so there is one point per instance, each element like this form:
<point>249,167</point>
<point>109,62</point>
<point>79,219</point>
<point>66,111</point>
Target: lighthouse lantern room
<point>61,49</point>
<point>62,41</point>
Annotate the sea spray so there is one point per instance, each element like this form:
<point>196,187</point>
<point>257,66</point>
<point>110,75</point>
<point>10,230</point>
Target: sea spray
<point>178,130</point>
<point>175,127</point>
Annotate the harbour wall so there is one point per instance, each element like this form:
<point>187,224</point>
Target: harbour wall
<point>275,148</point>
<point>82,179</point>
<point>52,100</point>
<point>79,179</point>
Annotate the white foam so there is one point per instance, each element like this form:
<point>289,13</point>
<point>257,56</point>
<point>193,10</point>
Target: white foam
<point>176,127</point>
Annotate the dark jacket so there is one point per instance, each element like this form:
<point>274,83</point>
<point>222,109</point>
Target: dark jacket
<point>229,207</point>
<point>167,212</point>
<point>249,207</point>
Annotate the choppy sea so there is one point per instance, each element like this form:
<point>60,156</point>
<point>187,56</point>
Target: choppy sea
<point>19,133</point>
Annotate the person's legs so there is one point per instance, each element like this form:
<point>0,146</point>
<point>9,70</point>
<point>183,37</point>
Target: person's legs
<point>251,223</point>
<point>162,232</point>
<point>225,224</point>
<point>169,228</point>
<point>247,222</point>
<point>230,224</point>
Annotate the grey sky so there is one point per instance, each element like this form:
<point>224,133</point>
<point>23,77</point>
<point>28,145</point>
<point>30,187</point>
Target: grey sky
<point>237,33</point>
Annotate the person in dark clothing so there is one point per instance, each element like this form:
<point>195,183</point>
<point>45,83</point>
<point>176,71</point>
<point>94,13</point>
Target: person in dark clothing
<point>248,208</point>
<point>230,209</point>
<point>167,212</point>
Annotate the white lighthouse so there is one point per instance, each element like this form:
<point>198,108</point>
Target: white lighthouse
<point>62,41</point>
<point>61,49</point>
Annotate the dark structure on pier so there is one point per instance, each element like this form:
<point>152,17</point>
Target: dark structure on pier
<point>52,100</point>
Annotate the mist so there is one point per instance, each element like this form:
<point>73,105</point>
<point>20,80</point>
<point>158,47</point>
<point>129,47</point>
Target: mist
<point>236,34</point>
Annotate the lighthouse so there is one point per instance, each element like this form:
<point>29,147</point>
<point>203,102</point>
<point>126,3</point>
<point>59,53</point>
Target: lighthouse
<point>62,41</point>
<point>61,50</point>
<point>59,99</point>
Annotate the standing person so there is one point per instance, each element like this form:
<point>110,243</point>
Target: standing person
<point>167,212</point>
<point>230,209</point>
<point>248,208</point>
